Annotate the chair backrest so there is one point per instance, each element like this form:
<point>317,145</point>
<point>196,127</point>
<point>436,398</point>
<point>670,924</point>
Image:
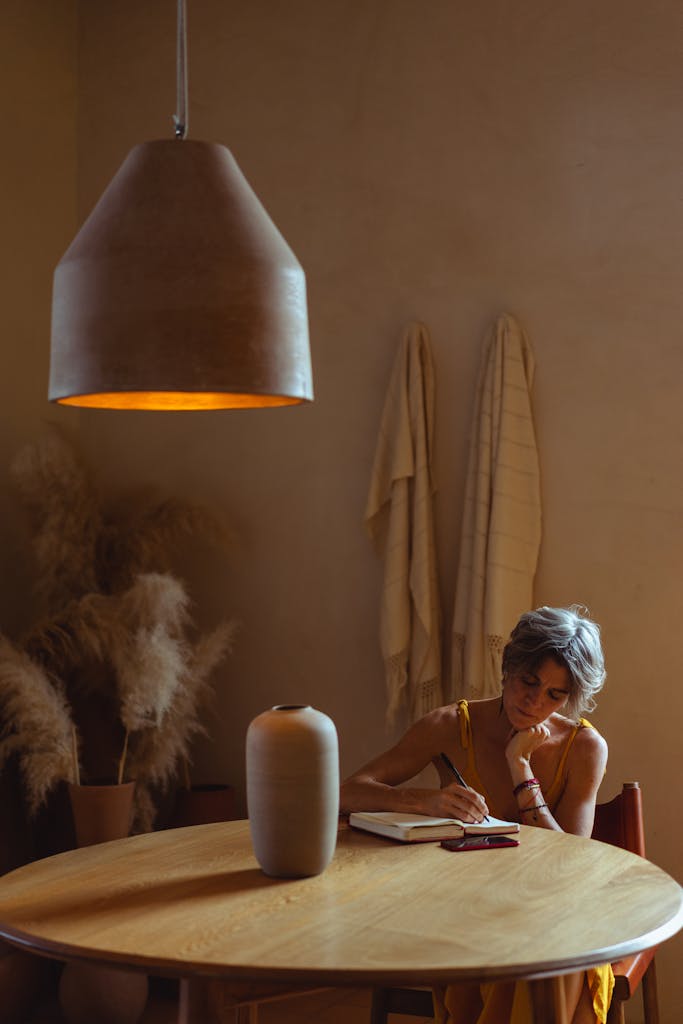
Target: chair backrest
<point>620,820</point>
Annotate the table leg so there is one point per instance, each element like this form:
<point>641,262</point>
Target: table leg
<point>547,1001</point>
<point>194,1001</point>
<point>201,1003</point>
<point>218,1001</point>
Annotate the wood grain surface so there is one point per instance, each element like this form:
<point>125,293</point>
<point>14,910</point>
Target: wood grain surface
<point>193,901</point>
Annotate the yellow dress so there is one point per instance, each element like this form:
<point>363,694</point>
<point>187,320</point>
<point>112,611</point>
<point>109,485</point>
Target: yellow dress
<point>502,1002</point>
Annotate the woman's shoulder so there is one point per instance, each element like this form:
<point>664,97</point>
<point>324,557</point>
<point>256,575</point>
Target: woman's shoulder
<point>588,728</point>
<point>434,729</point>
<point>480,708</point>
<point>580,733</point>
<point>579,726</point>
<point>588,746</point>
<point>443,715</point>
<point>435,720</point>
<point>588,737</point>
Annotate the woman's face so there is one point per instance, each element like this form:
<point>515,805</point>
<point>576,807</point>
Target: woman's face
<point>529,697</point>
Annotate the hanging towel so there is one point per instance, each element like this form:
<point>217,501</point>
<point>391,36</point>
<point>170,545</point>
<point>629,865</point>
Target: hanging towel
<point>501,531</point>
<point>399,520</point>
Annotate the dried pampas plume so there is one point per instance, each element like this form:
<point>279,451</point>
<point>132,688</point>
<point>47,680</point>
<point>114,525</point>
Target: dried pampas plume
<point>139,535</point>
<point>62,506</point>
<point>37,724</point>
<point>153,660</point>
<point>116,629</point>
<point>84,545</point>
<point>160,752</point>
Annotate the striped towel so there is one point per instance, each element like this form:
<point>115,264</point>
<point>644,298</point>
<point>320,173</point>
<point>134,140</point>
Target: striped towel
<point>399,520</point>
<point>501,531</point>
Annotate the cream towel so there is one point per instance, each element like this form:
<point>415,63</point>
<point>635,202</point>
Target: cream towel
<point>501,531</point>
<point>399,520</point>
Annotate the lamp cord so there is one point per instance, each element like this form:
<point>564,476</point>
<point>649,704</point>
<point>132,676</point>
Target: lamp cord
<point>180,118</point>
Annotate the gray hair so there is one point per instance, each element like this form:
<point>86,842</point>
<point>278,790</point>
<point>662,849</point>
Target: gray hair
<point>568,636</point>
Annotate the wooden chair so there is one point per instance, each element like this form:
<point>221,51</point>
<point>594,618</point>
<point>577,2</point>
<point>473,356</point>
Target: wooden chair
<point>620,823</point>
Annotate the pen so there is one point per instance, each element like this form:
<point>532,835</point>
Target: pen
<point>454,771</point>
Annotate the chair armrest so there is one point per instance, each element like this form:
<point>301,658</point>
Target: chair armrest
<point>628,973</point>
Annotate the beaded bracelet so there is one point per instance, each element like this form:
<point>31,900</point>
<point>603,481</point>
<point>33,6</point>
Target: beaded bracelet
<point>526,784</point>
<point>536,807</point>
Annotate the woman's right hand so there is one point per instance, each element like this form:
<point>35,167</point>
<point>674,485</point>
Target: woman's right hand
<point>455,801</point>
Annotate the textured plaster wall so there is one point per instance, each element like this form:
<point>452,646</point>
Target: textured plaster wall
<point>444,161</point>
<point>38,214</point>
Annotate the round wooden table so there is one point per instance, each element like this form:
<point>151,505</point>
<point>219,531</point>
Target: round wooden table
<point>193,903</point>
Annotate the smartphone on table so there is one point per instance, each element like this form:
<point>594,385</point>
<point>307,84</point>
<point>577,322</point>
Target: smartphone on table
<point>478,843</point>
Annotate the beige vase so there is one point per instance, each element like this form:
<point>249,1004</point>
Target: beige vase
<point>293,790</point>
<point>90,993</point>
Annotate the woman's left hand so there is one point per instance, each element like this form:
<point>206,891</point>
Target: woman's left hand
<point>521,745</point>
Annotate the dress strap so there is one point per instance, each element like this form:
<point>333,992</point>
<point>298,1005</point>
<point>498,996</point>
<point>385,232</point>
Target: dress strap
<point>557,785</point>
<point>465,725</point>
<point>471,775</point>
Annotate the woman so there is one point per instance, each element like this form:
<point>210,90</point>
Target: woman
<point>528,757</point>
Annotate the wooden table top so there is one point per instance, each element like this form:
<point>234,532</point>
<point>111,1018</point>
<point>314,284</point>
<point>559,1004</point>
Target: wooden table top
<point>193,901</point>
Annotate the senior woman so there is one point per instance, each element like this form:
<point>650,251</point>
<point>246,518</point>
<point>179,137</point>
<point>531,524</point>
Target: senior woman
<point>528,756</point>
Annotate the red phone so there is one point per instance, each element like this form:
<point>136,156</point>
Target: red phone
<point>478,843</point>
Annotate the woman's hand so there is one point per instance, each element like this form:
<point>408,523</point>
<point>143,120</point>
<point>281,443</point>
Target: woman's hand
<point>455,801</point>
<point>521,745</point>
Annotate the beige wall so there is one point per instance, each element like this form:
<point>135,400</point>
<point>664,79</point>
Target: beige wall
<point>38,215</point>
<point>444,161</point>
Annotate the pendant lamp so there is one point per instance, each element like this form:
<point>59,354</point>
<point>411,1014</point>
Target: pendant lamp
<point>179,292</point>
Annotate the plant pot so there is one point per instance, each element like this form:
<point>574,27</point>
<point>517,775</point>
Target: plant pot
<point>89,992</point>
<point>203,804</point>
<point>101,813</point>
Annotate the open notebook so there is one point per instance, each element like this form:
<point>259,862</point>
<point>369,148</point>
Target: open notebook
<point>420,828</point>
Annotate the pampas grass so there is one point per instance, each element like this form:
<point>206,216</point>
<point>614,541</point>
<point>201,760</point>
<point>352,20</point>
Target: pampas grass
<point>37,724</point>
<point>152,662</point>
<point>152,665</point>
<point>139,536</point>
<point>161,753</point>
<point>62,505</point>
<point>111,605</point>
<point>83,544</point>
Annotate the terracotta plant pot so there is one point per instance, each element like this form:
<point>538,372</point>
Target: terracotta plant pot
<point>203,804</point>
<point>90,992</point>
<point>101,813</point>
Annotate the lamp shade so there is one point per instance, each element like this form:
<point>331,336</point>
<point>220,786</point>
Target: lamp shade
<point>179,292</point>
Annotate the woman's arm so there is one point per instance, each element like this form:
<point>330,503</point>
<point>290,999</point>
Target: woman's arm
<point>585,769</point>
<point>586,765</point>
<point>377,785</point>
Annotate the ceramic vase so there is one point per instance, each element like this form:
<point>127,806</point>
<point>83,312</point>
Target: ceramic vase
<point>90,992</point>
<point>293,790</point>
